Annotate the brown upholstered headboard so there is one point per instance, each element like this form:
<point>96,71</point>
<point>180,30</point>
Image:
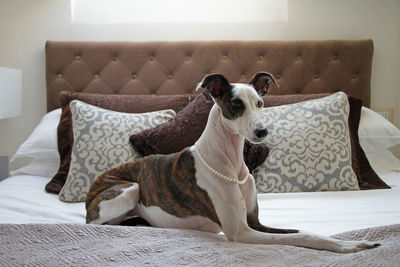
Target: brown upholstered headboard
<point>176,67</point>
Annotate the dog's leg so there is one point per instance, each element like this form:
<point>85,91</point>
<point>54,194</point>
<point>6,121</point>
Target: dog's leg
<point>236,229</point>
<point>234,219</point>
<point>113,204</point>
<point>112,196</point>
<point>254,223</point>
<point>303,239</point>
<point>250,197</point>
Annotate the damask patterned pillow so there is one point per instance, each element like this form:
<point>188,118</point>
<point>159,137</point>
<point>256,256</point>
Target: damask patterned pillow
<point>310,149</point>
<point>101,142</point>
<point>120,103</point>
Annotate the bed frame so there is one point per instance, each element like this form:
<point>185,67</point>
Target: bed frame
<point>165,68</point>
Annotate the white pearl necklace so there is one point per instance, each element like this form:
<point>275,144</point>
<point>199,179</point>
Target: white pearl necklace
<point>230,179</point>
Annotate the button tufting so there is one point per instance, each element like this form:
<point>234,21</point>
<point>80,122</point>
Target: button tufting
<point>278,76</point>
<point>78,57</point>
<point>355,75</point>
<point>298,57</point>
<point>261,57</point>
<point>316,76</point>
<point>59,75</point>
<point>133,76</point>
<point>96,76</point>
<point>335,57</point>
<point>151,58</point>
<point>115,59</point>
<point>169,77</point>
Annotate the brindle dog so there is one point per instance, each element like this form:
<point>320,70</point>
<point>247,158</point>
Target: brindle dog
<point>206,186</point>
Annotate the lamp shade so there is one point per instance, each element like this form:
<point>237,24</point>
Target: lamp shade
<point>10,92</point>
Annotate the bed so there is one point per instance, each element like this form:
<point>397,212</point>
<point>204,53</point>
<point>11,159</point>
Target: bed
<point>42,216</point>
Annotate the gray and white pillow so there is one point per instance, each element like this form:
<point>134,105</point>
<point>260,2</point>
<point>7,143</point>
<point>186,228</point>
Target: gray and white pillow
<point>101,142</point>
<point>309,147</point>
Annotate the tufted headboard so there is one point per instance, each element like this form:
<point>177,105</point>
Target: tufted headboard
<point>176,67</point>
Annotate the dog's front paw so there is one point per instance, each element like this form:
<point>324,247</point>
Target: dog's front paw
<point>356,246</point>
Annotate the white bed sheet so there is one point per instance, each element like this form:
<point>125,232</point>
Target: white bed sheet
<point>23,200</point>
<point>334,212</point>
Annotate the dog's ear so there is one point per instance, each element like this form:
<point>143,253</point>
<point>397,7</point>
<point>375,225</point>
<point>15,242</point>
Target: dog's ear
<point>216,84</point>
<point>261,82</point>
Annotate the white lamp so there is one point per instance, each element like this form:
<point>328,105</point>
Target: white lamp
<point>10,103</point>
<point>10,92</point>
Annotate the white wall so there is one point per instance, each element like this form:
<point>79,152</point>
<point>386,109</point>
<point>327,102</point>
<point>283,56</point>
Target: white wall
<point>25,25</point>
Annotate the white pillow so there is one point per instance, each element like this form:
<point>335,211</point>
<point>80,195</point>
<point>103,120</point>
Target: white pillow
<point>375,132</point>
<point>383,161</point>
<point>38,154</point>
<point>101,142</point>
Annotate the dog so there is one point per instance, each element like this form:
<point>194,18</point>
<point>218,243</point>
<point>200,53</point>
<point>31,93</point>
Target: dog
<point>207,186</point>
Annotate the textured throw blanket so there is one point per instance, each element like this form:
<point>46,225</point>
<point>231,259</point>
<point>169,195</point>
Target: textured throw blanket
<point>93,245</point>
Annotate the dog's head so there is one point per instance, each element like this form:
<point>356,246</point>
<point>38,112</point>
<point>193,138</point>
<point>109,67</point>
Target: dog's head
<point>240,104</point>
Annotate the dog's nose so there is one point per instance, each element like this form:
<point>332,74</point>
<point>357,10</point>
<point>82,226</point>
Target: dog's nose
<point>261,132</point>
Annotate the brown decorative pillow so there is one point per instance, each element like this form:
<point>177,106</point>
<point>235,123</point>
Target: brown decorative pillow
<point>120,103</point>
<point>367,177</point>
<point>188,125</point>
<point>279,100</point>
<point>178,133</point>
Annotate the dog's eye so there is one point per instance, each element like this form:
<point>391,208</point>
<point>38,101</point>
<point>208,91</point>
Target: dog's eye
<point>236,103</point>
<point>260,104</point>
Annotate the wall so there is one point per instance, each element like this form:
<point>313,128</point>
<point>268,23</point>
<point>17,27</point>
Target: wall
<point>27,24</point>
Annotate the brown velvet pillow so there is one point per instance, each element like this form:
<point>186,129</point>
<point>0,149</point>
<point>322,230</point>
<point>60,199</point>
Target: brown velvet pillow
<point>120,103</point>
<point>367,177</point>
<point>188,125</point>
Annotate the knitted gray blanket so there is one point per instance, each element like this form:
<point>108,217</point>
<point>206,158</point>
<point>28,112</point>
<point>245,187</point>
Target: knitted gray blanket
<point>94,245</point>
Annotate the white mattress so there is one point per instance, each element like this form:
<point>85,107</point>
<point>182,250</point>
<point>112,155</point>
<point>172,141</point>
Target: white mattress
<point>23,200</point>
